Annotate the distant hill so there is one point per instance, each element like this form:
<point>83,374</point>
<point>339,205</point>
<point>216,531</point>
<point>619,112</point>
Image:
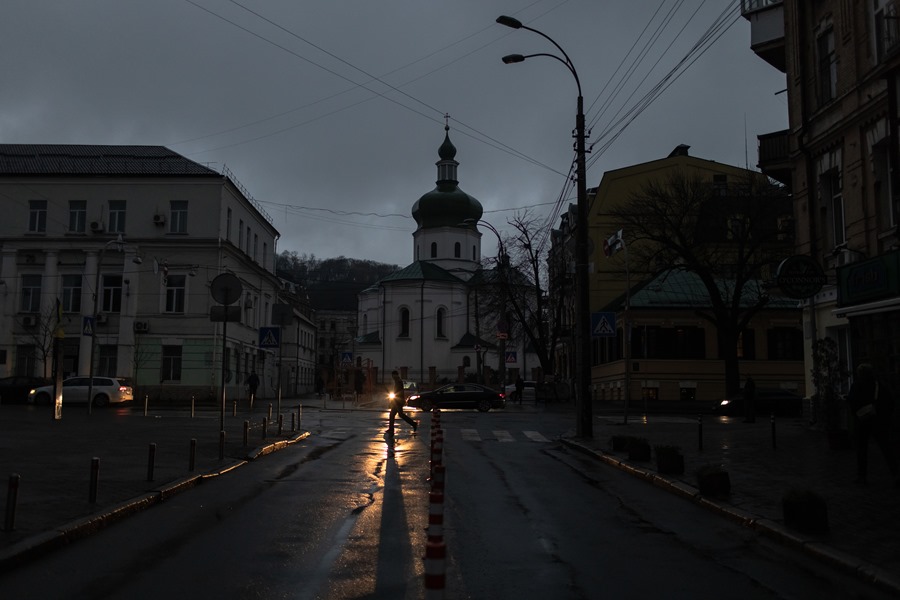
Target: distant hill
<point>331,283</point>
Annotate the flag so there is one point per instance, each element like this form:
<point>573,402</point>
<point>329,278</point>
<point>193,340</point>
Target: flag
<point>613,243</point>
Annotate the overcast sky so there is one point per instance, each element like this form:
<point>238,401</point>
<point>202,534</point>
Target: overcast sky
<point>330,112</point>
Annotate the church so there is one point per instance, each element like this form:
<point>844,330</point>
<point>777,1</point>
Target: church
<point>423,320</point>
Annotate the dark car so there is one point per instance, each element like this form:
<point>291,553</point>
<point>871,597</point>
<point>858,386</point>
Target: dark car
<point>14,390</point>
<point>459,395</point>
<point>781,403</point>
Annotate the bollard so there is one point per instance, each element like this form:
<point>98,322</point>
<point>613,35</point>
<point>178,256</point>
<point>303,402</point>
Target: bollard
<point>265,427</point>
<point>438,478</point>
<point>280,424</point>
<point>95,479</point>
<point>437,450</point>
<point>435,529</point>
<point>234,408</point>
<point>700,431</point>
<point>12,495</point>
<point>192,454</point>
<point>192,406</point>
<point>146,403</point>
<point>435,560</point>
<point>774,447</point>
<point>246,433</point>
<point>151,461</point>
<point>222,445</point>
<point>270,411</point>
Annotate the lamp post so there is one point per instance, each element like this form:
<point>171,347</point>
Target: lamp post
<point>502,324</point>
<point>120,245</point>
<point>584,424</point>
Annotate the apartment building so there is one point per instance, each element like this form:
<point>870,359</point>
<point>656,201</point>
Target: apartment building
<point>109,253</point>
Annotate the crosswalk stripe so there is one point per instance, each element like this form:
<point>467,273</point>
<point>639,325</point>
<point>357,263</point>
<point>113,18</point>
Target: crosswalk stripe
<point>470,435</point>
<point>535,436</point>
<point>503,436</point>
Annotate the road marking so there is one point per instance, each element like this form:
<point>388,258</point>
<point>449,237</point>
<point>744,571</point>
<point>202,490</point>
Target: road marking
<point>503,436</point>
<point>535,436</point>
<point>470,435</point>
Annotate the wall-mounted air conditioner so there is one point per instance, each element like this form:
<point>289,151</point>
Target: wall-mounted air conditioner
<point>101,318</point>
<point>97,226</point>
<point>159,219</point>
<point>29,321</point>
<point>141,326</point>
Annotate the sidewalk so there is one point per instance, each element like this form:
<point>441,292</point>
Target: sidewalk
<point>864,522</point>
<point>54,462</point>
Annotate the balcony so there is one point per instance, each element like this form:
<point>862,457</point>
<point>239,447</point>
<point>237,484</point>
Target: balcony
<point>766,30</point>
<point>774,156</point>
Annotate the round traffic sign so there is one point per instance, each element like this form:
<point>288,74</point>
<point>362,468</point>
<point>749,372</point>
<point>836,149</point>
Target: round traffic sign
<point>226,288</point>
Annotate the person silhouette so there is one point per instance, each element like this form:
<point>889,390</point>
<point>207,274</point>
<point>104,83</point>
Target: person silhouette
<point>397,402</point>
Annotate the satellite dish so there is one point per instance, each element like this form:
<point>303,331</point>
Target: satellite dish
<point>226,288</point>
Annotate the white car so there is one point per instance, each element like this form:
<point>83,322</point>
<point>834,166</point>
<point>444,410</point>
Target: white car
<point>107,390</point>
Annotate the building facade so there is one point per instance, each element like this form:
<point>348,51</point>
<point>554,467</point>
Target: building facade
<point>110,252</point>
<point>840,155</point>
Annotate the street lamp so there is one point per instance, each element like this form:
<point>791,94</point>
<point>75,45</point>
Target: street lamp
<point>502,325</point>
<point>584,424</point>
<point>120,246</point>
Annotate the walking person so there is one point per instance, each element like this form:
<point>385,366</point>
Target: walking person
<point>252,385</point>
<point>871,406</point>
<point>397,403</point>
<point>520,389</point>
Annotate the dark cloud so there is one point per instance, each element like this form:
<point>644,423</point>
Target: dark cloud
<point>278,100</point>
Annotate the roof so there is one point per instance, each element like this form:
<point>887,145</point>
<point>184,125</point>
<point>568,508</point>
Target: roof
<point>469,340</point>
<point>422,271</point>
<point>65,159</point>
<point>373,337</point>
<point>677,288</point>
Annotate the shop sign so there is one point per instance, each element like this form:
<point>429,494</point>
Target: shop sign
<point>869,280</point>
<point>800,277</point>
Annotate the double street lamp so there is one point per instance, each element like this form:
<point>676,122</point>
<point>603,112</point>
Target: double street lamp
<point>584,424</point>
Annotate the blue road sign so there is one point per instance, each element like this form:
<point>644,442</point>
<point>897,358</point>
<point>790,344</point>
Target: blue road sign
<point>603,324</point>
<point>346,358</point>
<point>87,326</point>
<point>511,357</point>
<point>269,337</point>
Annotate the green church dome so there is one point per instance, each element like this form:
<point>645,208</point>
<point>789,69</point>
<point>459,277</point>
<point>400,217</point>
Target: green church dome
<point>446,205</point>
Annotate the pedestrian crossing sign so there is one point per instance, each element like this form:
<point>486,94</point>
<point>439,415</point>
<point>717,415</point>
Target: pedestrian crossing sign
<point>269,337</point>
<point>87,327</point>
<point>603,324</point>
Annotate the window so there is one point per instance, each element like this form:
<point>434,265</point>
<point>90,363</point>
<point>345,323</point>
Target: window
<point>37,216</point>
<point>737,226</point>
<point>255,246</point>
<point>457,250</point>
<point>439,322</point>
<point>474,254</point>
<point>77,216</point>
<point>265,254</point>
<point>833,204</point>
<point>175,293</point>
<point>881,179</point>
<point>26,360</point>
<point>886,27</point>
<point>71,293</point>
<point>171,363</point>
<point>111,293</point>
<point>404,322</point>
<point>117,216</point>
<point>228,225</point>
<point>785,343</point>
<point>31,294</point>
<point>178,214</point>
<point>827,65</point>
<point>247,249</point>
<point>107,361</point>
<point>433,249</point>
<point>746,345</point>
<point>241,234</point>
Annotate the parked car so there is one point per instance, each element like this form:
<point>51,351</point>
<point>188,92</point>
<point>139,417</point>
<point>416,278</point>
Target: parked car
<point>781,403</point>
<point>107,390</point>
<point>14,390</point>
<point>459,395</point>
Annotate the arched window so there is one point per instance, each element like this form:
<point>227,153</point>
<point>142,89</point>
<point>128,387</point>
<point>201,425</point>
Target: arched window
<point>365,327</point>
<point>474,257</point>
<point>439,322</point>
<point>433,249</point>
<point>457,250</point>
<point>467,362</point>
<point>404,322</point>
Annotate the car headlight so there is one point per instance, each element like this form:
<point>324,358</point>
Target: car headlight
<point>724,402</point>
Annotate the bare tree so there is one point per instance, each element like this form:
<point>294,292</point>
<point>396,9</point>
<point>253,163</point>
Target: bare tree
<point>730,236</point>
<point>41,332</point>
<point>520,280</point>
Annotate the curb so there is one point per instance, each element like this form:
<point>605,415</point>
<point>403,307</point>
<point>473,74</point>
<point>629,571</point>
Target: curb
<point>865,571</point>
<point>42,543</point>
